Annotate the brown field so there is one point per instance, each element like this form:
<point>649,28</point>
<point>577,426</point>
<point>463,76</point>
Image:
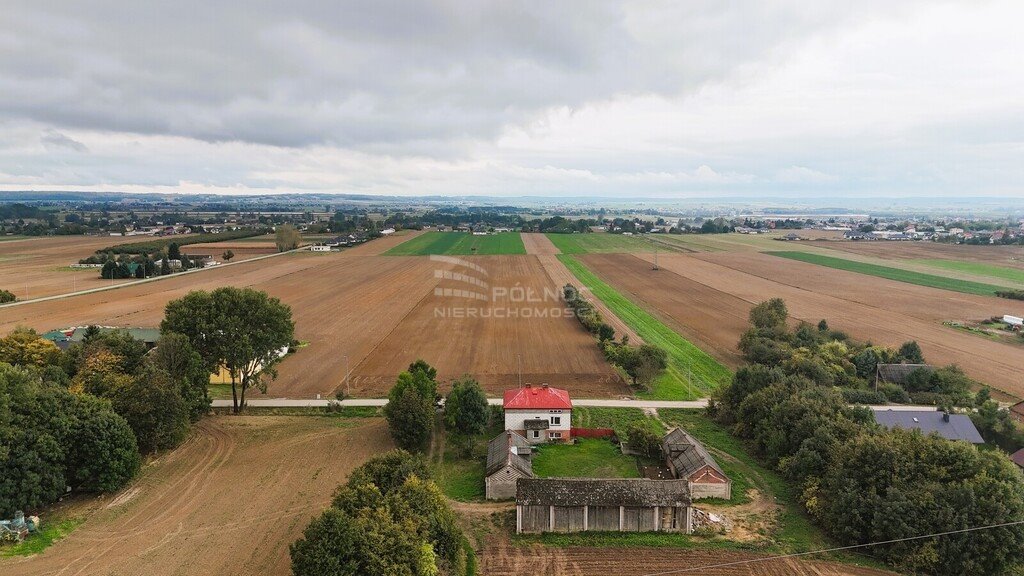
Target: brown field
<point>377,313</point>
<point>37,267</point>
<point>1009,256</point>
<point>707,297</point>
<point>482,338</point>
<point>228,501</point>
<point>508,560</point>
<point>241,250</point>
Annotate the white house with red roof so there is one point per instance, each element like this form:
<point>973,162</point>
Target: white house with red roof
<point>539,413</point>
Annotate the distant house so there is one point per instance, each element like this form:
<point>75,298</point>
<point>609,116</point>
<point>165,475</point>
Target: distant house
<point>320,248</point>
<point>898,373</point>
<point>949,426</point>
<point>508,460</point>
<point>76,335</point>
<point>1018,458</point>
<point>606,505</point>
<point>688,460</point>
<point>539,413</point>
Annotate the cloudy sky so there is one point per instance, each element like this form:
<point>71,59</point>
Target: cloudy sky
<point>628,99</point>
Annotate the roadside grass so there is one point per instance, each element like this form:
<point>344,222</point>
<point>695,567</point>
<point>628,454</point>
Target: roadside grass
<point>459,470</point>
<point>634,540</point>
<point>460,244</point>
<point>219,391</point>
<point>976,268</point>
<point>618,419</point>
<point>6,238</point>
<point>587,458</point>
<point>918,278</point>
<point>691,372</point>
<point>36,543</point>
<point>596,242</point>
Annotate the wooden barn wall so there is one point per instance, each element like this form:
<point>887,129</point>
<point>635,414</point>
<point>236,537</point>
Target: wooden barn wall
<point>603,518</point>
<point>568,519</point>
<point>536,518</point>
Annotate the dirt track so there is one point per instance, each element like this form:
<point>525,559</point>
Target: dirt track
<point>537,243</point>
<point>507,560</point>
<point>868,308</point>
<point>229,501</point>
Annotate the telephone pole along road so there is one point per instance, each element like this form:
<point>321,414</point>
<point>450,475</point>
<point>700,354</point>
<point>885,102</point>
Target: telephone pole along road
<point>378,402</point>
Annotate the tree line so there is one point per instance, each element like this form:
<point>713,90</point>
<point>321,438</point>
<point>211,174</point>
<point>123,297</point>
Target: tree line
<point>857,480</point>
<point>83,418</point>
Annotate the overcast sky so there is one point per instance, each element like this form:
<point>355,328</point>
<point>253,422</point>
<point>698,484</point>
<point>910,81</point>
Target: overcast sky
<point>628,99</point>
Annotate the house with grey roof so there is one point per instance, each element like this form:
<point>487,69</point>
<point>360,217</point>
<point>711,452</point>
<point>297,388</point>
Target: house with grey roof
<point>508,460</point>
<point>603,504</point>
<point>949,426</point>
<point>689,460</point>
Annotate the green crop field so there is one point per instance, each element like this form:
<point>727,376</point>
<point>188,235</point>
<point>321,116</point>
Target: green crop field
<point>599,242</point>
<point>918,278</point>
<point>459,244</point>
<point>691,372</point>
<point>1014,275</point>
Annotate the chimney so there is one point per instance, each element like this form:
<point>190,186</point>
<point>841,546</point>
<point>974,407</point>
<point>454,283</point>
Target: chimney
<point>945,416</point>
<point>544,385</point>
<point>528,385</point>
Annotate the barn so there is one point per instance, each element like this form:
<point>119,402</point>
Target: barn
<point>508,460</point>
<point>607,505</point>
<point>688,460</point>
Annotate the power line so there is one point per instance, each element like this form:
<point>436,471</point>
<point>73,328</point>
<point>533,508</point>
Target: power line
<point>839,549</point>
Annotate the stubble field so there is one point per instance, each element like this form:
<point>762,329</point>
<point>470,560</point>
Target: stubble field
<point>228,501</point>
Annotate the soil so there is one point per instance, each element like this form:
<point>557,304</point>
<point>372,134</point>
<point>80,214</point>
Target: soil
<point>228,501</point>
<point>708,297</point>
<point>1009,256</point>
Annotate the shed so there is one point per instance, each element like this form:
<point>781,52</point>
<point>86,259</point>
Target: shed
<point>607,504</point>
<point>949,426</point>
<point>688,460</point>
<point>898,373</point>
<point>508,460</point>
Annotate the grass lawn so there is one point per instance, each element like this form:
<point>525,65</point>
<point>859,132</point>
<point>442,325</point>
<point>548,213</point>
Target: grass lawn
<point>918,278</point>
<point>459,244</point>
<point>221,392</point>
<point>599,242</point>
<point>459,471</point>
<point>36,543</point>
<point>977,268</point>
<point>618,419</point>
<point>691,372</point>
<point>588,458</point>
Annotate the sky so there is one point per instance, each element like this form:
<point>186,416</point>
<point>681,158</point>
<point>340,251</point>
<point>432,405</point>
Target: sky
<point>619,99</point>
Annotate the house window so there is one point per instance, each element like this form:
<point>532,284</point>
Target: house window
<point>554,435</point>
<point>556,420</point>
<point>536,433</point>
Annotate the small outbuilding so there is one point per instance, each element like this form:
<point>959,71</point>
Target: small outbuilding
<point>688,460</point>
<point>508,460</point>
<point>607,505</point>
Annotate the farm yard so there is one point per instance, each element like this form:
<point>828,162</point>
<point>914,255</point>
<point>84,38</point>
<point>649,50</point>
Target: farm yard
<point>235,495</point>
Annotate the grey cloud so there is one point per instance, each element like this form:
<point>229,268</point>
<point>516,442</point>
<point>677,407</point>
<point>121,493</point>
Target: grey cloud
<point>384,74</point>
<point>53,140</point>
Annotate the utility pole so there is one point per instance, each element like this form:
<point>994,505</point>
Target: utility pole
<point>348,384</point>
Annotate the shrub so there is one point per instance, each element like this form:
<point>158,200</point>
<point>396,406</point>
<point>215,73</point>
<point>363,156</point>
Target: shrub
<point>6,296</point>
<point>860,396</point>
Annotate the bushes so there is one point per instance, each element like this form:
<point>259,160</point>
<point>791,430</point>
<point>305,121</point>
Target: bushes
<point>860,396</point>
<point>6,296</point>
<point>401,526</point>
<point>410,407</point>
<point>1011,294</point>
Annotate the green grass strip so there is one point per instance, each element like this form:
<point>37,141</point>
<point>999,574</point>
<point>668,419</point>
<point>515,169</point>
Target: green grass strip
<point>460,244</point>
<point>918,278</point>
<point>1014,275</point>
<point>691,372</point>
<point>41,540</point>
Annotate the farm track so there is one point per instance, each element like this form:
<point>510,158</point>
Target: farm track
<point>868,308</point>
<point>234,495</point>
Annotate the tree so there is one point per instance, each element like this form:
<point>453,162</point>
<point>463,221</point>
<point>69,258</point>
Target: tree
<point>24,347</point>
<point>165,266</point>
<point>109,270</point>
<point>154,409</point>
<point>287,238</point>
<point>643,440</point>
<point>244,330</point>
<point>605,333</point>
<point>389,470</point>
<point>173,251</point>
<point>465,408</point>
<point>123,271</point>
<point>100,372</point>
<point>227,255</point>
<point>7,296</point>
<point>140,270</point>
<point>175,355</point>
<point>823,325</point>
<point>104,454</point>
<point>769,315</point>
<point>910,353</point>
<point>410,418</point>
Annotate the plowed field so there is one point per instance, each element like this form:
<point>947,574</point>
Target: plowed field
<point>229,501</point>
<point>37,267</point>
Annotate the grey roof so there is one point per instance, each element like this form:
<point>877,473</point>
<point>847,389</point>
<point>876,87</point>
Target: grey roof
<point>897,373</point>
<point>499,453</point>
<point>601,492</point>
<point>686,453</point>
<point>957,427</point>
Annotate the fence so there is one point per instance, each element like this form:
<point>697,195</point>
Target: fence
<point>592,432</point>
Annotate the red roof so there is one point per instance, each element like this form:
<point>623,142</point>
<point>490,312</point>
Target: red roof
<point>537,397</point>
<point>1018,457</point>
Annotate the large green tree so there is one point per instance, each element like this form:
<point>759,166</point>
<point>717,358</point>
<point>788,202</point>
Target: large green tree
<point>175,355</point>
<point>153,407</point>
<point>465,407</point>
<point>242,329</point>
